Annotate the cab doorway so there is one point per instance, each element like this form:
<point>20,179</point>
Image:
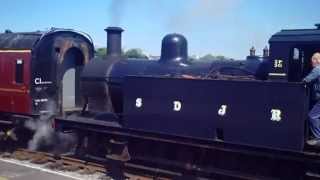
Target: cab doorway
<point>300,61</point>
<point>68,90</point>
<point>71,68</point>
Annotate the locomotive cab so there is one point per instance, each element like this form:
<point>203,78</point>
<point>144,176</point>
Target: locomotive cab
<point>291,51</point>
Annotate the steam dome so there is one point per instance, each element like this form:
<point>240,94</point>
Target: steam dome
<point>174,48</point>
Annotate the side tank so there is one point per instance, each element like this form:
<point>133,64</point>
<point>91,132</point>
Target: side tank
<point>102,79</point>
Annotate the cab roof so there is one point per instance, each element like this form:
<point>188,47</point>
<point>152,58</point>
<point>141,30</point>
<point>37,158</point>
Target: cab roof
<point>297,35</point>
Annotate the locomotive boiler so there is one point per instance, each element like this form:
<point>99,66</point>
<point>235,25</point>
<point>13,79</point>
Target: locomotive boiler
<point>102,80</point>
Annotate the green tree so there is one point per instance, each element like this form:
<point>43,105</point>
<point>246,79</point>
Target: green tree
<point>220,57</point>
<point>135,53</point>
<point>193,58</point>
<point>207,57</point>
<point>101,52</point>
<point>210,57</point>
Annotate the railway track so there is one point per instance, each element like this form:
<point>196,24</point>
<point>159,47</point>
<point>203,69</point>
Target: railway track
<point>72,164</point>
<point>145,167</point>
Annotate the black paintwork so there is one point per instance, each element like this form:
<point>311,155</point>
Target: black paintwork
<point>297,35</point>
<point>56,52</point>
<point>103,80</point>
<point>248,113</point>
<point>174,49</point>
<point>282,45</point>
<point>248,119</point>
<point>114,41</point>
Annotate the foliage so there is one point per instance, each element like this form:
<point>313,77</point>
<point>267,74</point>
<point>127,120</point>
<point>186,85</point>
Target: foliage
<point>210,57</point>
<point>135,53</point>
<point>101,52</point>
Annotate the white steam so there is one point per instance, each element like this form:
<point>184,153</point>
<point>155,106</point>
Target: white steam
<point>43,132</point>
<point>45,136</point>
<point>116,10</point>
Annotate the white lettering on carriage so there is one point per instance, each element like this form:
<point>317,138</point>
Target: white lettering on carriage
<point>223,110</point>
<point>39,81</point>
<point>139,102</point>
<point>276,115</point>
<point>177,105</point>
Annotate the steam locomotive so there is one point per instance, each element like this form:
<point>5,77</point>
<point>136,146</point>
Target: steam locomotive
<point>155,96</point>
<point>254,110</point>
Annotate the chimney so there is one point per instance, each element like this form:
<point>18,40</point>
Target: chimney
<point>114,41</point>
<point>252,51</point>
<point>266,51</point>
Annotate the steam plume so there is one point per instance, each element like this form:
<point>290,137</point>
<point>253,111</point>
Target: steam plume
<point>44,135</point>
<point>43,132</point>
<point>116,11</point>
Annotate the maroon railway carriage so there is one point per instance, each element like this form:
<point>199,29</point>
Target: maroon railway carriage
<point>40,72</point>
<point>15,81</point>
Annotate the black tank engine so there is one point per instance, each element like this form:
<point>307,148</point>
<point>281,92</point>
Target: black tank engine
<point>226,117</point>
<point>222,117</point>
<point>235,101</point>
<point>238,102</point>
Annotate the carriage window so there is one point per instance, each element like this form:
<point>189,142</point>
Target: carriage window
<point>19,71</point>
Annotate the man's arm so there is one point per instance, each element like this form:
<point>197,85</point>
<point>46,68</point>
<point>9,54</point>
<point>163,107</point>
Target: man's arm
<point>314,74</point>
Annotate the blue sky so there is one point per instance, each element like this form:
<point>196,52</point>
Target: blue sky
<point>220,27</point>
